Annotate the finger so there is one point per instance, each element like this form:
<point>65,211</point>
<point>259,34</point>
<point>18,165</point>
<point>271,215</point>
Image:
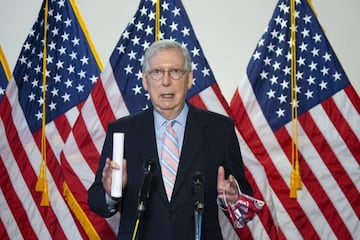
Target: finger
<point>221,175</point>
<point>124,174</point>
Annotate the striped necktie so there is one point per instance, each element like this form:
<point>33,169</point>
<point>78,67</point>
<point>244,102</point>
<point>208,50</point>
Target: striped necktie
<point>170,158</point>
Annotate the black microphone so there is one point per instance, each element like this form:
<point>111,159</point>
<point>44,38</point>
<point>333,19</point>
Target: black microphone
<point>144,192</point>
<point>198,190</point>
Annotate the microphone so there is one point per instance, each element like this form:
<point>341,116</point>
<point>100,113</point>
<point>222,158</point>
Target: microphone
<point>198,190</point>
<point>144,192</point>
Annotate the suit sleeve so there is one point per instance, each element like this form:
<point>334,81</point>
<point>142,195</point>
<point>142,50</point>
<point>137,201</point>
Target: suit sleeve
<point>234,164</point>
<point>96,193</point>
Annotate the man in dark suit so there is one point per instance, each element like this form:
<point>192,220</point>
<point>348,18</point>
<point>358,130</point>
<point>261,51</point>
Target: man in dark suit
<point>206,142</point>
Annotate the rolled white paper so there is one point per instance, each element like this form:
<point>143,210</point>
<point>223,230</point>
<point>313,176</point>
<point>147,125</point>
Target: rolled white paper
<point>118,156</point>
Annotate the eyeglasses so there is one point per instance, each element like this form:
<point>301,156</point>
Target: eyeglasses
<point>158,74</point>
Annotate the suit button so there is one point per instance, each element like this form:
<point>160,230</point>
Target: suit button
<point>172,215</point>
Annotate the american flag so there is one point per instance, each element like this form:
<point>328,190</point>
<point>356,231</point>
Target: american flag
<point>72,68</point>
<point>120,92</point>
<point>327,206</point>
<point>4,73</point>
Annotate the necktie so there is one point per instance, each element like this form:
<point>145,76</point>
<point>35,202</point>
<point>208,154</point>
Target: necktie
<point>170,158</point>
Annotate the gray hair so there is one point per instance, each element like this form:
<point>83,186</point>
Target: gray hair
<point>165,44</point>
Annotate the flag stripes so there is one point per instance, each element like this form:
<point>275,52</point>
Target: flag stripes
<point>334,217</point>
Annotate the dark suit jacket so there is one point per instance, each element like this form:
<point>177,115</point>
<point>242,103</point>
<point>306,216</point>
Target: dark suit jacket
<point>209,142</point>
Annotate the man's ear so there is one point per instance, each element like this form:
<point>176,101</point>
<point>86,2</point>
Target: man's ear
<point>190,80</point>
<point>144,82</point>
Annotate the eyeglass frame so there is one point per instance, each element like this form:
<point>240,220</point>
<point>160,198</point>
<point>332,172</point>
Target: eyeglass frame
<point>170,72</point>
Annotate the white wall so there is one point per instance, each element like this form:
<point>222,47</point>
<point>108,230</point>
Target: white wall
<point>227,30</point>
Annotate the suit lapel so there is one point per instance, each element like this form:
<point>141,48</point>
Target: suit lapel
<point>193,141</point>
<point>147,145</point>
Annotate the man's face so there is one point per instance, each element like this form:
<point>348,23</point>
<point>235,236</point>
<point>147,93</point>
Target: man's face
<point>167,94</point>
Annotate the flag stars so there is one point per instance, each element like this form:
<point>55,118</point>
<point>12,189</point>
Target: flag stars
<point>52,45</point>
<point>303,47</point>
<point>55,31</point>
<point>282,98</point>
<point>126,34</point>
<point>132,55</point>
<point>58,17</point>
<point>267,61</point>
<point>66,97</point>
<point>301,61</point>
<point>27,46</point>
<point>323,85</point>
<point>176,12</point>
<point>82,74</point>
<point>136,41</point>
<point>274,34</point>
<point>139,26</point>
<point>310,80</point>
<point>284,8</point>
<point>313,66</point>
<point>31,97</point>
<point>163,21</point>
<point>93,79</point>
<point>76,41</point>
<point>165,6</point>
<point>174,26</point>
<point>327,57</point>
<point>68,83</point>
<point>263,75</point>
<point>65,36</point>
<point>186,31</point>
<point>62,50</point>
<point>143,11</point>
<point>206,72</point>
<point>271,94</point>
<point>80,88</point>
<point>151,16</point>
<point>287,70</point>
<point>84,60</point>
<point>120,49</point>
<point>284,84</point>
<point>276,66</point>
<point>137,89</point>
<point>73,55</point>
<point>35,83</point>
<point>71,69</point>
<point>337,76</point>
<point>280,113</point>
<point>305,33</point>
<point>149,30</point>
<point>271,47</point>
<point>273,80</point>
<point>128,69</point>
<point>325,71</point>
<point>55,92</point>
<point>309,94</point>
<point>38,115</point>
<point>40,101</point>
<point>145,45</point>
<point>307,19</point>
<point>57,78</point>
<point>195,52</point>
<point>317,38</point>
<point>68,22</point>
<point>256,55</point>
<point>278,51</point>
<point>52,106</point>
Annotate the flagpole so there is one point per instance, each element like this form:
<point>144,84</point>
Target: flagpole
<point>295,179</point>
<point>42,184</point>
